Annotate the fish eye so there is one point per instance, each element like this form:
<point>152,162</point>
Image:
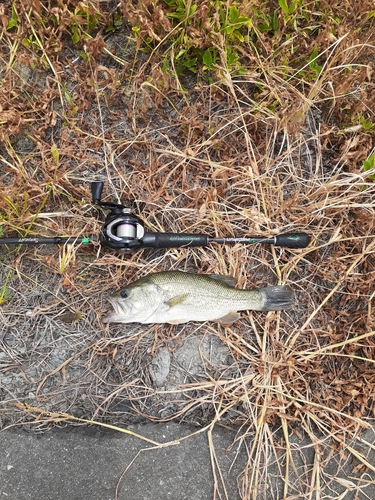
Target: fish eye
<point>124,294</point>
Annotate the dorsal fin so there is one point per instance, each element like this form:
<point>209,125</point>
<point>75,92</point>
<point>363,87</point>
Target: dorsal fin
<point>228,280</point>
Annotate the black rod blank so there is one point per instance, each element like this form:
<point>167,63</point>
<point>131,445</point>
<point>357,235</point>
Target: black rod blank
<point>58,240</point>
<point>175,240</point>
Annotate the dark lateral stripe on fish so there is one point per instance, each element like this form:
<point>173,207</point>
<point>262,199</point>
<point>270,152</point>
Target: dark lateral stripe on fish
<point>277,298</point>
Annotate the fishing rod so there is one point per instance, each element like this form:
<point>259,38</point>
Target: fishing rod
<point>126,232</point>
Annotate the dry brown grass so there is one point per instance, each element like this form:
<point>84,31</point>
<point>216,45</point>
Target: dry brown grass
<point>266,152</point>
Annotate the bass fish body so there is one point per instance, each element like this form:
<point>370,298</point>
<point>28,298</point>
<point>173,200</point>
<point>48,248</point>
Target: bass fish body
<point>177,297</point>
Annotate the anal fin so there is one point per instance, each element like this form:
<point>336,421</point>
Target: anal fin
<point>229,318</point>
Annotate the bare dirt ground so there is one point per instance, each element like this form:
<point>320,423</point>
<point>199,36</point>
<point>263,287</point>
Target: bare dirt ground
<point>248,154</point>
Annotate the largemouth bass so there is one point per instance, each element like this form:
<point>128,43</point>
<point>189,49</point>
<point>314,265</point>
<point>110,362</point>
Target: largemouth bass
<point>177,297</point>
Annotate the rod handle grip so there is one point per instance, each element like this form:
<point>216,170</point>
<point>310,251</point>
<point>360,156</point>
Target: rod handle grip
<point>174,240</point>
<point>292,240</point>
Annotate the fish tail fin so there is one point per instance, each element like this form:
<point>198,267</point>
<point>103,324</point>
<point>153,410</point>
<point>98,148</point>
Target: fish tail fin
<point>277,298</point>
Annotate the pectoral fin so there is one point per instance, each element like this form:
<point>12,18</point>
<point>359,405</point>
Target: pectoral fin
<point>175,301</point>
<point>229,318</point>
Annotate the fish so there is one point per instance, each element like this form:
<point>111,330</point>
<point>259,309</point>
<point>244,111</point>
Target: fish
<point>177,297</point>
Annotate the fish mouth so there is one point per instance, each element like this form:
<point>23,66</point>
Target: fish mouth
<point>117,306</point>
<point>123,313</point>
<point>120,311</point>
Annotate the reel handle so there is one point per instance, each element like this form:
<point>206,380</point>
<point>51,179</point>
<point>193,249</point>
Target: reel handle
<point>96,192</point>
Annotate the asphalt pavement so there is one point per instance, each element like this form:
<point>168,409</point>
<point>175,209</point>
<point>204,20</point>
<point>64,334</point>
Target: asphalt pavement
<point>92,463</point>
<point>88,463</point>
